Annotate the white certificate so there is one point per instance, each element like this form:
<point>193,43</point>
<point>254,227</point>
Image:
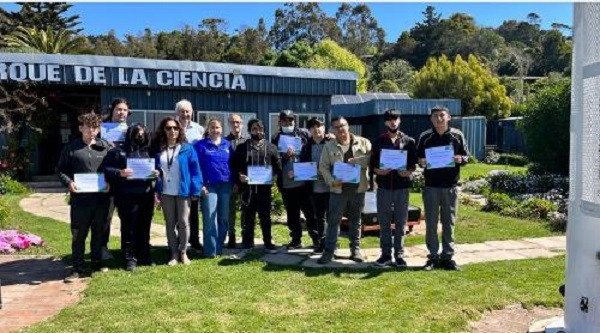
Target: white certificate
<point>143,168</point>
<point>113,131</point>
<point>392,159</point>
<point>90,182</point>
<point>346,172</point>
<point>259,175</point>
<point>305,171</point>
<point>440,157</point>
<point>286,141</point>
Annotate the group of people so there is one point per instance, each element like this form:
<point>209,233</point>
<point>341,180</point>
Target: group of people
<point>198,169</point>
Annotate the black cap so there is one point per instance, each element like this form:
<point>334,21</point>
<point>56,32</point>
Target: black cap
<point>314,121</point>
<point>286,114</point>
<point>438,108</point>
<point>391,114</point>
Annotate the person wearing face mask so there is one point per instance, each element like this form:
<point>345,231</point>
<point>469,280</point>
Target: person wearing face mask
<point>194,132</point>
<point>392,188</point>
<point>134,198</point>
<point>294,199</point>
<point>255,198</point>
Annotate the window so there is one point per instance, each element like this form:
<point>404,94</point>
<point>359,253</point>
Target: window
<point>202,118</point>
<point>301,120</point>
<point>150,118</point>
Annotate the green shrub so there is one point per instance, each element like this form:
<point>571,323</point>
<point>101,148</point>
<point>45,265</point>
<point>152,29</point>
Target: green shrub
<point>497,202</point>
<point>418,181</point>
<point>11,186</point>
<point>513,159</point>
<point>536,208</point>
<point>276,201</point>
<point>4,212</point>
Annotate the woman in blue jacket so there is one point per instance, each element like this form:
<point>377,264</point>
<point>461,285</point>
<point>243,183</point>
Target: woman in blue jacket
<point>214,154</point>
<point>179,183</point>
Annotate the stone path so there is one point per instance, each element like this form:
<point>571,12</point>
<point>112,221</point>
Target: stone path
<point>512,319</point>
<point>32,278</point>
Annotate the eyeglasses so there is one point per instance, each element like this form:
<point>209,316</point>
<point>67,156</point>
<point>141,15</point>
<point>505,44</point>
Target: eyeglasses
<point>340,126</point>
<point>172,128</point>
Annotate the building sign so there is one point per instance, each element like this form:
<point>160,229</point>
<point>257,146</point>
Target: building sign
<point>119,76</point>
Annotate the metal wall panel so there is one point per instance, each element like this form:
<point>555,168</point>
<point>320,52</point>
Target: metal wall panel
<point>406,106</point>
<point>474,129</point>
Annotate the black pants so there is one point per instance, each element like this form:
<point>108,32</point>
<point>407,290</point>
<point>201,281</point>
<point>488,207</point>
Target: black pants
<point>256,199</point>
<point>319,203</point>
<point>109,216</point>
<point>135,211</point>
<point>194,223</point>
<point>86,217</point>
<point>294,200</point>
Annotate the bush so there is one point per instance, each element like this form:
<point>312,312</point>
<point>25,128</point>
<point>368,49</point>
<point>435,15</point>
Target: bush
<point>479,186</point>
<point>492,157</point>
<point>277,206</point>
<point>536,208</point>
<point>11,186</point>
<point>513,159</point>
<point>418,181</point>
<point>4,212</point>
<point>520,183</point>
<point>497,202</point>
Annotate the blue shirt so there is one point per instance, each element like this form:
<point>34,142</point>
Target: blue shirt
<point>214,160</point>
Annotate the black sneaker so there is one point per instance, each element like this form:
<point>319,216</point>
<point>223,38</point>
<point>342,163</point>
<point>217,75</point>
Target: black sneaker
<point>73,276</point>
<point>294,245</point>
<point>271,248</point>
<point>99,267</point>
<point>430,265</point>
<point>230,244</point>
<point>326,257</point>
<point>247,246</point>
<point>450,265</point>
<point>400,262</point>
<point>356,255</point>
<point>197,246</point>
<point>384,261</point>
<point>319,249</point>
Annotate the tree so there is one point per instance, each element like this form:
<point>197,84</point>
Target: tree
<point>296,55</point>
<point>398,71</point>
<point>212,40</point>
<point>46,15</point>
<point>48,41</point>
<point>143,46</point>
<point>249,46</point>
<point>329,55</point>
<point>545,125</point>
<point>301,21</point>
<point>360,31</point>
<point>387,86</point>
<point>478,89</point>
<point>108,45</point>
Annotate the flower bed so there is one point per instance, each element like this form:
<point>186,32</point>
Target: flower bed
<point>12,241</point>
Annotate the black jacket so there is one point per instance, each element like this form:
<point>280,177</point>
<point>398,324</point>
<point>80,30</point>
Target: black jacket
<point>303,134</point>
<point>78,157</point>
<point>117,160</point>
<point>241,160</point>
<point>443,177</point>
<point>393,181</point>
<point>306,153</point>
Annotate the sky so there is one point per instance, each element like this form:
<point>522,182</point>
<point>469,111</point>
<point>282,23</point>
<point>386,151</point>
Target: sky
<point>133,18</point>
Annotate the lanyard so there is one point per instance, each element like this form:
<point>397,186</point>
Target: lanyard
<point>170,160</point>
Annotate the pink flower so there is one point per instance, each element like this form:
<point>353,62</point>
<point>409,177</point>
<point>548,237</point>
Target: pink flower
<point>11,240</point>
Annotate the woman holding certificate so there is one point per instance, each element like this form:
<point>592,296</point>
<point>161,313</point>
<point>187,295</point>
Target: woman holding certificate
<point>179,182</point>
<point>131,172</point>
<point>214,154</point>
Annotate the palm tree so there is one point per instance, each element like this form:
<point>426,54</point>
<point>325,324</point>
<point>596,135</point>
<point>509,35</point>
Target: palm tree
<point>46,41</point>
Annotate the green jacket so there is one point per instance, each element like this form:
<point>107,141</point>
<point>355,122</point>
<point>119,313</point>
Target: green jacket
<point>332,153</point>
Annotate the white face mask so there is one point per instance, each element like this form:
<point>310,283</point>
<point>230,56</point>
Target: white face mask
<point>287,129</point>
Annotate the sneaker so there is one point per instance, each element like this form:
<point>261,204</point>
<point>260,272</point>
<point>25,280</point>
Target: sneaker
<point>230,244</point>
<point>430,265</point>
<point>326,258</point>
<point>384,261</point>
<point>131,266</point>
<point>105,254</point>
<point>319,249</point>
<point>271,248</point>
<point>184,258</point>
<point>400,262</point>
<point>73,276</point>
<point>173,260</point>
<point>294,245</point>
<point>197,246</point>
<point>450,265</point>
<point>356,255</point>
<point>99,267</point>
<point>247,246</point>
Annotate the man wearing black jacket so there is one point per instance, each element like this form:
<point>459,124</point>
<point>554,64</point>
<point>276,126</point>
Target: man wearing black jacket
<point>440,195</point>
<point>134,198</point>
<point>85,155</point>
<point>392,188</point>
<point>318,190</point>
<point>256,152</point>
<point>236,138</point>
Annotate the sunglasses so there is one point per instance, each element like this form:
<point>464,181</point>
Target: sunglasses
<point>172,128</point>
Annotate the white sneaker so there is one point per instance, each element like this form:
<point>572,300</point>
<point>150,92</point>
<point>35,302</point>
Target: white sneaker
<point>173,260</point>
<point>184,259</point>
<point>105,254</point>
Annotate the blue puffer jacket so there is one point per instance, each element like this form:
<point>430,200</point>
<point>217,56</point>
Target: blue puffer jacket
<point>191,177</point>
<point>214,160</point>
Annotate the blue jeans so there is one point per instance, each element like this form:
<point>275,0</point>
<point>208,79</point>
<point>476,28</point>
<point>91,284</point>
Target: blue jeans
<point>441,203</point>
<point>215,217</point>
<point>399,214</point>
<point>350,205</point>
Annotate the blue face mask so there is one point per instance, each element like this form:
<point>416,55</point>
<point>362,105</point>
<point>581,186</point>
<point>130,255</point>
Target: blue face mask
<point>287,129</point>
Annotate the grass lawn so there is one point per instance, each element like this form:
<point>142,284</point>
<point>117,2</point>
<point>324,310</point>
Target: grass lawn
<point>476,169</point>
<point>223,295</point>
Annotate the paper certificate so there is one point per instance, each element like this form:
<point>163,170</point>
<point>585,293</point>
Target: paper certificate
<point>440,157</point>
<point>90,182</point>
<point>143,168</point>
<point>392,159</point>
<point>259,175</point>
<point>305,171</point>
<point>113,131</point>
<point>346,173</point>
<point>286,141</point>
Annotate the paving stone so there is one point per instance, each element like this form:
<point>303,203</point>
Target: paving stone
<point>283,259</point>
<point>510,244</point>
<point>558,242</point>
<point>474,247</point>
<point>538,253</point>
<point>336,264</point>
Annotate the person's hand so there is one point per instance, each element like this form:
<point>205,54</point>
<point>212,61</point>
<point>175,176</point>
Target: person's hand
<point>156,173</point>
<point>243,178</point>
<point>354,160</point>
<point>330,136</point>
<point>72,187</point>
<point>126,172</point>
<point>107,188</point>
<point>290,174</point>
<point>422,162</point>
<point>336,183</point>
<point>404,173</point>
<point>204,191</point>
<point>458,159</point>
<point>290,152</point>
<point>382,172</point>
